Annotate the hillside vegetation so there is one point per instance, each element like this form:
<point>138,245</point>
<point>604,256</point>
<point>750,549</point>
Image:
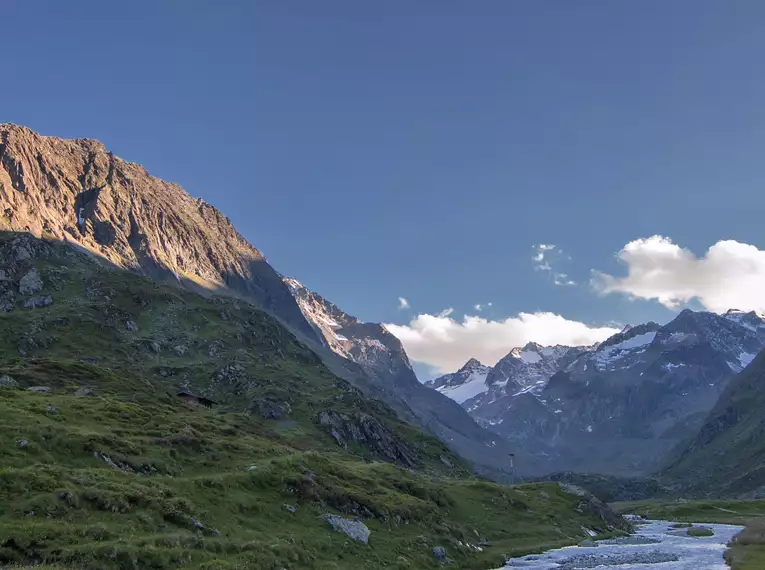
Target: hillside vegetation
<point>105,467</point>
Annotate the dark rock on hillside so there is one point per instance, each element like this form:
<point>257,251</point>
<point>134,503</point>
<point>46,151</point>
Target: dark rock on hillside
<point>364,429</point>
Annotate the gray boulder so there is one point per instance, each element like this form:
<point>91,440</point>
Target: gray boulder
<point>39,389</point>
<point>82,392</point>
<point>30,283</point>
<point>440,553</point>
<point>356,530</point>
<point>132,326</point>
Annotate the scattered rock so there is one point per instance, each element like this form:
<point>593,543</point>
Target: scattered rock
<point>252,468</point>
<point>440,553</point>
<point>445,461</point>
<point>30,282</point>
<point>270,409</point>
<point>8,382</point>
<point>38,302</point>
<point>113,464</point>
<point>641,557</point>
<point>39,389</point>
<point>132,326</point>
<point>180,349</point>
<point>155,347</point>
<point>289,508</point>
<point>51,409</point>
<point>82,392</point>
<point>197,525</point>
<point>23,443</point>
<point>356,530</point>
<point>3,275</point>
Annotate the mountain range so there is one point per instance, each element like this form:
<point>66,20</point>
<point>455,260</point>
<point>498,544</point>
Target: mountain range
<point>618,407</point>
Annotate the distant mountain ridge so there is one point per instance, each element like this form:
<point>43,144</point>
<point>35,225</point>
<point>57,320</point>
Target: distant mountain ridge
<point>617,407</point>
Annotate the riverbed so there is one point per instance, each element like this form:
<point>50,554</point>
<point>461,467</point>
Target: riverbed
<point>655,546</point>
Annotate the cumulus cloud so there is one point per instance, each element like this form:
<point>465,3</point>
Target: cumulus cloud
<point>729,275</point>
<point>545,257</point>
<point>478,307</point>
<point>403,303</point>
<point>446,344</point>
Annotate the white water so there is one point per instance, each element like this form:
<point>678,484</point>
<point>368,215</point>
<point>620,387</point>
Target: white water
<point>703,553</point>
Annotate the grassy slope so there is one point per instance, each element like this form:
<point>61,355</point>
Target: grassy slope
<point>64,505</point>
<point>747,551</point>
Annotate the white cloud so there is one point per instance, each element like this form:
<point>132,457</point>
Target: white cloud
<point>478,307</point>
<point>445,313</point>
<point>729,275</point>
<point>403,303</point>
<point>446,343</point>
<point>489,304</point>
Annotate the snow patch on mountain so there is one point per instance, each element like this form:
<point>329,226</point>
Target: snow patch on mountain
<point>474,385</point>
<point>636,344</point>
<point>468,382</point>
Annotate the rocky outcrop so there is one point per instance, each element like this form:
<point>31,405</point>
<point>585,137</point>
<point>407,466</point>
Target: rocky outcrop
<point>366,430</point>
<point>589,503</point>
<point>354,529</point>
<point>78,192</point>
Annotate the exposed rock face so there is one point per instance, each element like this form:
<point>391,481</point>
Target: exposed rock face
<point>77,191</point>
<point>361,428</point>
<point>30,282</point>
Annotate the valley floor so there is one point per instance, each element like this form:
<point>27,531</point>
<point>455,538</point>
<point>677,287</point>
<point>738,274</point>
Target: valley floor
<point>747,549</point>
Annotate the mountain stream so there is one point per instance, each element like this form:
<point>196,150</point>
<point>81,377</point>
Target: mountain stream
<point>654,546</point>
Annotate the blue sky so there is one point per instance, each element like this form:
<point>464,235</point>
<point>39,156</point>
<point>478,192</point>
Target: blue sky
<point>423,149</point>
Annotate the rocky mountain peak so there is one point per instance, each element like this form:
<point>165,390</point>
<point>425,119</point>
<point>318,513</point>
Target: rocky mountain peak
<point>76,191</point>
<point>472,364</point>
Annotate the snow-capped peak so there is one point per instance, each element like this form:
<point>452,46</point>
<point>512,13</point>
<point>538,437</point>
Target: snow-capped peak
<point>468,382</point>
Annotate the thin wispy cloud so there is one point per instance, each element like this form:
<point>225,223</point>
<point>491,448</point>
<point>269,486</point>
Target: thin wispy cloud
<point>730,275</point>
<point>478,307</point>
<point>403,303</point>
<point>546,257</point>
